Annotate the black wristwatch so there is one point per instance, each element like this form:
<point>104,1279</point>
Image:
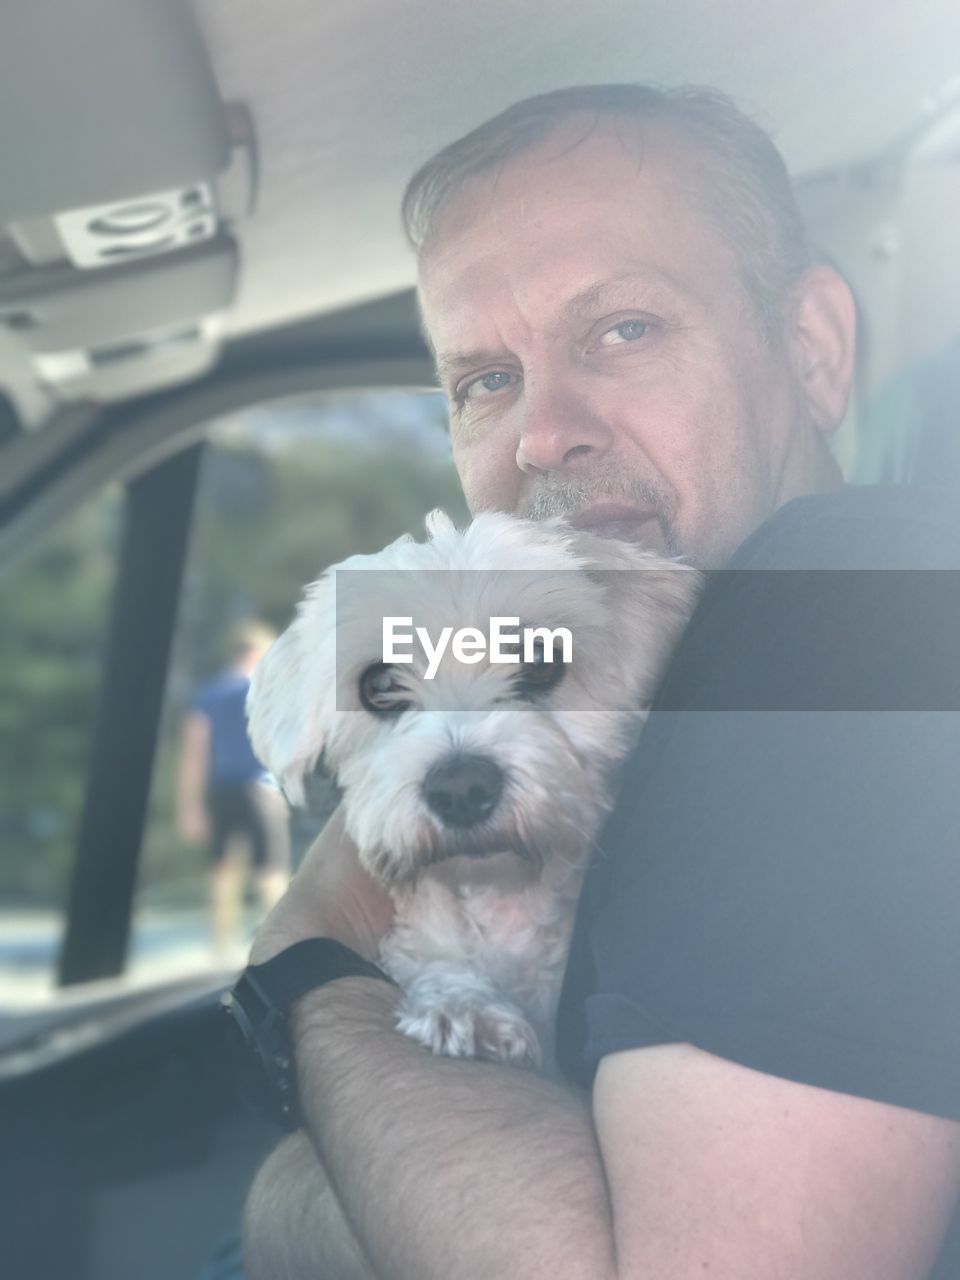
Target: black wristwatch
<point>256,1012</point>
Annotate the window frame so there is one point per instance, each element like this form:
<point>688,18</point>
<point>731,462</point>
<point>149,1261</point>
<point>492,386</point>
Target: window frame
<point>152,446</point>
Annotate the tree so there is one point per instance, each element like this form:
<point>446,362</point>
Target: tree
<point>281,497</point>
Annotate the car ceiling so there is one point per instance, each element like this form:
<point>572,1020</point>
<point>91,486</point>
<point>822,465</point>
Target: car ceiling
<point>348,97</point>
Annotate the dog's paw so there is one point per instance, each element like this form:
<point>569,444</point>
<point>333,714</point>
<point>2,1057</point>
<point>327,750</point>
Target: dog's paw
<point>506,1038</point>
<point>496,1032</point>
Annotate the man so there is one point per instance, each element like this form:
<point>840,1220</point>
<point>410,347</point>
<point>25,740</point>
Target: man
<point>630,331</point>
<point>225,797</point>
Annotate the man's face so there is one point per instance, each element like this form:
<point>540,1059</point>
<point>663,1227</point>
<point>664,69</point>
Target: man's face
<point>600,353</point>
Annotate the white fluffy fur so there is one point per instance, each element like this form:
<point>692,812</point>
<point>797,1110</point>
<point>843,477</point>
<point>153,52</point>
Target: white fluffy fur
<point>483,916</point>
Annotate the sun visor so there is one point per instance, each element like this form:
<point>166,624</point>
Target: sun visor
<point>58,309</point>
<point>112,333</point>
<point>123,173</point>
<point>104,101</point>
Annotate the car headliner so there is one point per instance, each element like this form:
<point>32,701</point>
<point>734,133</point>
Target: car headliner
<point>350,96</point>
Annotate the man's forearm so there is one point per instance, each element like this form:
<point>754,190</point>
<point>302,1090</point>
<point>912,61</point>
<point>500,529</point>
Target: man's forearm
<point>193,767</point>
<point>448,1167</point>
<point>293,1225</point>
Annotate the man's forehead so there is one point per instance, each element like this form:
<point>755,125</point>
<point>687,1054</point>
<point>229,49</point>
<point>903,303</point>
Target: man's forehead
<point>638,284</point>
<point>616,177</point>
<point>559,248</point>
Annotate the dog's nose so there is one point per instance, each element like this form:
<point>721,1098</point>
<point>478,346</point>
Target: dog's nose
<point>463,790</point>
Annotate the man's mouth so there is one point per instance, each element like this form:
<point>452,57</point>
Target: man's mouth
<point>615,520</point>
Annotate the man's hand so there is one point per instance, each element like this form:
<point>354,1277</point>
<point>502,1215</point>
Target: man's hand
<point>331,896</point>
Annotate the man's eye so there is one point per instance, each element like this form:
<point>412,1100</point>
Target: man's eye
<point>626,331</point>
<point>486,384</point>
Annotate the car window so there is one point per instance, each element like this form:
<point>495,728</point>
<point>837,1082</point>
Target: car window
<point>54,604</point>
<point>286,490</point>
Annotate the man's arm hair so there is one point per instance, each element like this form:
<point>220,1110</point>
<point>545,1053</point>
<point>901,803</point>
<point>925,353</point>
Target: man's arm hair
<point>293,1224</point>
<point>459,1168</point>
<point>446,1167</point>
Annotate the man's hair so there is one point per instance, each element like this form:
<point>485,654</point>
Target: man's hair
<point>745,185</point>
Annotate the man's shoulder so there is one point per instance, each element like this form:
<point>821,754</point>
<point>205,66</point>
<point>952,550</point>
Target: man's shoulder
<point>859,527</point>
<point>836,603</point>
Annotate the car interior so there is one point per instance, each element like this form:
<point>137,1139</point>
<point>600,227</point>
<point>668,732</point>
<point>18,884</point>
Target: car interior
<point>200,236</point>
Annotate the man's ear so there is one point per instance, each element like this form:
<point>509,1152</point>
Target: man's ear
<point>823,326</point>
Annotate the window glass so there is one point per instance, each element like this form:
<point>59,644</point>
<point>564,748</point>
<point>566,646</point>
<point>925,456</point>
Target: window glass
<point>286,490</point>
<point>54,607</point>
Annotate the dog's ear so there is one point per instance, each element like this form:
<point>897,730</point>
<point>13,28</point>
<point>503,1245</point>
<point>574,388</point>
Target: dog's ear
<point>671,582</point>
<point>650,597</point>
<point>283,722</point>
<point>438,524</point>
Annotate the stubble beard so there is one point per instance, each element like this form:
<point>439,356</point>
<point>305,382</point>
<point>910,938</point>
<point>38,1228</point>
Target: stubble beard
<point>554,495</point>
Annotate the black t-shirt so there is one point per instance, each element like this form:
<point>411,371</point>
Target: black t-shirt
<point>779,883</point>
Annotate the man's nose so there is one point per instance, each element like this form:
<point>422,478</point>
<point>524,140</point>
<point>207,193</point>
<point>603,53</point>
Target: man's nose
<point>560,431</point>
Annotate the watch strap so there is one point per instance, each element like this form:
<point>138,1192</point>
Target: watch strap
<point>258,1007</point>
<point>312,963</point>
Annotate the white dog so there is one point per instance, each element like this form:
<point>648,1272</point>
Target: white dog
<point>474,789</point>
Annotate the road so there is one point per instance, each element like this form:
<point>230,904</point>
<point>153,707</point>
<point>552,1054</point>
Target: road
<point>164,944</point>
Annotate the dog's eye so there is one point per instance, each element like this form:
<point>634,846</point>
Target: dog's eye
<point>540,675</point>
<point>380,692</point>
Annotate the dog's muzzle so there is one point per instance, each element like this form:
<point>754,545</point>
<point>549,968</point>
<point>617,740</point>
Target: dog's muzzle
<point>464,790</point>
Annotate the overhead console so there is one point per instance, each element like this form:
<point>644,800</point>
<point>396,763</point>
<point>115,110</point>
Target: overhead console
<point>122,173</point>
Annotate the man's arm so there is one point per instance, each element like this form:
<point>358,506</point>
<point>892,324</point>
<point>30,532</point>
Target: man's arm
<point>192,771</point>
<point>294,1225</point>
<point>460,1168</point>
<point>719,1170</point>
<point>446,1167</point>
<point>332,896</point>
<point>449,1167</point>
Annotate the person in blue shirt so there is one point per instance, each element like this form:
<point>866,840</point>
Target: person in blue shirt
<point>225,797</point>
